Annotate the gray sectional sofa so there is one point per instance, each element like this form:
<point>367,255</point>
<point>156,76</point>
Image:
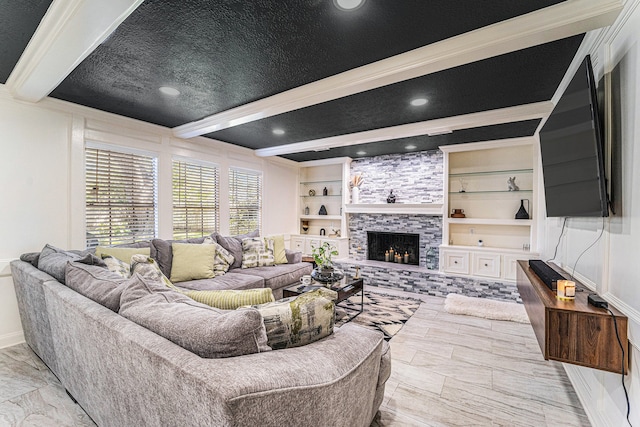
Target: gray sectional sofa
<point>123,374</point>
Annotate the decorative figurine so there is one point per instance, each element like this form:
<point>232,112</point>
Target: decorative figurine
<point>512,184</point>
<point>323,210</point>
<point>312,192</point>
<point>325,192</point>
<point>306,210</point>
<point>391,198</point>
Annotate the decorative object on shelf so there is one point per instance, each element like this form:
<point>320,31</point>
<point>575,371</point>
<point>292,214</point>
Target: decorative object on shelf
<point>323,210</point>
<point>522,212</point>
<point>391,198</point>
<point>306,210</point>
<point>355,183</point>
<point>480,242</point>
<point>566,290</point>
<point>526,247</point>
<point>457,213</point>
<point>463,186</point>
<point>305,227</point>
<point>312,192</point>
<point>431,258</point>
<point>325,272</point>
<point>325,192</point>
<point>511,182</point>
<point>323,232</point>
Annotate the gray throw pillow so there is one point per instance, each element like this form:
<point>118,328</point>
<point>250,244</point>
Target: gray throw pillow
<point>31,257</point>
<point>53,261</point>
<point>203,330</point>
<point>233,244</point>
<point>164,252</point>
<point>96,283</point>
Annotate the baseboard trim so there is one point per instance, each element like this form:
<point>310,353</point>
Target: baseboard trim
<point>11,339</point>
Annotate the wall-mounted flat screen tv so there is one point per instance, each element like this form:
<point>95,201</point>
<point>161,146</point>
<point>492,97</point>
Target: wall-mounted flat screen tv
<point>571,145</point>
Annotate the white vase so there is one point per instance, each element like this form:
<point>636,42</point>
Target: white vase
<point>355,195</point>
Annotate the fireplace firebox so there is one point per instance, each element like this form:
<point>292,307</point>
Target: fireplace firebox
<point>380,242</point>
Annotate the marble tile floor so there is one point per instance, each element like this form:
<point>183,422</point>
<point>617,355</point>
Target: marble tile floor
<point>447,370</point>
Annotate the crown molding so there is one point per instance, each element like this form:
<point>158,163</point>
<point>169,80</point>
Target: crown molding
<point>68,33</point>
<point>466,121</point>
<point>552,23</point>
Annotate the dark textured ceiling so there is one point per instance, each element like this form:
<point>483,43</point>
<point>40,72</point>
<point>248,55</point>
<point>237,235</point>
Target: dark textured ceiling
<point>225,53</point>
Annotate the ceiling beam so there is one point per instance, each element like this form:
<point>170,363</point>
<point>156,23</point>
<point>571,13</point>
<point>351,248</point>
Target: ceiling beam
<point>552,23</point>
<point>68,33</point>
<point>437,126</point>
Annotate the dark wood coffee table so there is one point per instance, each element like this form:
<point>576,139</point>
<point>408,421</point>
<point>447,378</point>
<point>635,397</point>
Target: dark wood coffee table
<point>345,288</point>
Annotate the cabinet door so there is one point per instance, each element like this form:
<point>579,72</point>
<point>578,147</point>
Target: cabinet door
<point>487,265</point>
<point>297,244</point>
<point>510,262</point>
<point>456,262</point>
<point>311,243</point>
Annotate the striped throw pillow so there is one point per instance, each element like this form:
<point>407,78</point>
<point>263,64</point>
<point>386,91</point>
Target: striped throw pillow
<point>231,299</point>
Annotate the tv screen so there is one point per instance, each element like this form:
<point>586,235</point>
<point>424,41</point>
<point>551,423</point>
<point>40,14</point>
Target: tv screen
<point>571,144</point>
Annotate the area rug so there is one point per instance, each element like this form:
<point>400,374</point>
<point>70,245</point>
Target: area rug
<point>386,313</point>
<point>487,308</point>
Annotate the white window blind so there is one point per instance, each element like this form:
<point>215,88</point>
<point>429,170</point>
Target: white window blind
<point>195,200</point>
<point>245,201</point>
<point>121,197</point>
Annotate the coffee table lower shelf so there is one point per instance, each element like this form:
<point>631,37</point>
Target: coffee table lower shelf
<point>345,288</point>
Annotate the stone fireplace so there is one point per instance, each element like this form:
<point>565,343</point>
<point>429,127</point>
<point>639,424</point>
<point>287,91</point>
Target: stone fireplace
<point>381,243</point>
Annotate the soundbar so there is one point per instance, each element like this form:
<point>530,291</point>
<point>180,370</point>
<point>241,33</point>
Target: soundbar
<point>547,274</point>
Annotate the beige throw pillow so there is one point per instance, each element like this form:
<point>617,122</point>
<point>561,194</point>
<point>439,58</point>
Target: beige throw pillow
<point>279,253</point>
<point>192,262</point>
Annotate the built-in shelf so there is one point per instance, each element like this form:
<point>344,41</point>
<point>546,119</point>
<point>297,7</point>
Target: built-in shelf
<point>491,221</point>
<point>321,196</point>
<point>463,193</point>
<point>321,182</point>
<point>498,172</point>
<point>510,251</point>
<point>396,208</point>
<point>327,217</point>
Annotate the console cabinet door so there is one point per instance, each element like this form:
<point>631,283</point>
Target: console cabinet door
<point>297,244</point>
<point>456,262</point>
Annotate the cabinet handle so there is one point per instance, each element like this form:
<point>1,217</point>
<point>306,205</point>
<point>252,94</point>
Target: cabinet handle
<point>486,265</point>
<point>455,262</point>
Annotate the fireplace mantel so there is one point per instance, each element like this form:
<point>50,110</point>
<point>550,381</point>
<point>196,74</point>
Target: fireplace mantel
<point>434,209</point>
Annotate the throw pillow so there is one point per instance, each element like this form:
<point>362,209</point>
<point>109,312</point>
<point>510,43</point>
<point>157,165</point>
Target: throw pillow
<point>232,299</point>
<point>96,283</point>
<point>148,267</point>
<point>203,330</point>
<point>255,253</point>
<point>279,251</point>
<point>234,245</point>
<point>53,261</point>
<point>223,259</point>
<point>191,262</point>
<point>114,265</point>
<point>301,320</point>
<point>123,254</point>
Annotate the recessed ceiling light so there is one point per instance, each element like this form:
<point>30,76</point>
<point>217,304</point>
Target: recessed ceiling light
<point>169,91</point>
<point>410,147</point>
<point>348,4</point>
<point>361,153</point>
<point>418,102</point>
<point>278,131</point>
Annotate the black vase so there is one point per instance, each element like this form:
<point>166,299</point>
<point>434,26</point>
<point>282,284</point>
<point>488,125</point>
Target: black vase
<point>323,210</point>
<point>522,212</point>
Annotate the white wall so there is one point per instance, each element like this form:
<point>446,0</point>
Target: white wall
<point>612,265</point>
<point>42,175</point>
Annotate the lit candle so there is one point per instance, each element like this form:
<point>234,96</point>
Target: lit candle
<point>386,256</point>
<point>391,254</point>
<point>398,258</point>
<point>406,258</point>
<point>566,290</point>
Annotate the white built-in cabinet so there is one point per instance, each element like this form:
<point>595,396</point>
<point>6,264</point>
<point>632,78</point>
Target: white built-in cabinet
<point>323,183</point>
<point>489,240</point>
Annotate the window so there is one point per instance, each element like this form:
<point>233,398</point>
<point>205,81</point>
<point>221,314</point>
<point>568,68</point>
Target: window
<point>195,200</point>
<point>121,197</point>
<point>245,201</point>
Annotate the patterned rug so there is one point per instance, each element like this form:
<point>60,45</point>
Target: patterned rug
<point>386,313</point>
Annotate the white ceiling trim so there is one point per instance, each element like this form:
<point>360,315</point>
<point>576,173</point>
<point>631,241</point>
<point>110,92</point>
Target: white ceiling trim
<point>485,118</point>
<point>68,33</point>
<point>552,23</point>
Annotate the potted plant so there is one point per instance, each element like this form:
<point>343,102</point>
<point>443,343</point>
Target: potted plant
<point>325,272</point>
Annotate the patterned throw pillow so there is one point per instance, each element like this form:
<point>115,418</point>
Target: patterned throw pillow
<point>122,253</point>
<point>223,259</point>
<point>232,299</point>
<point>279,252</point>
<point>255,253</point>
<point>301,320</point>
<point>121,268</point>
<point>148,267</point>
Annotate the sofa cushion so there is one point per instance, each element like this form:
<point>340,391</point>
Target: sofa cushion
<point>293,257</point>
<point>192,262</point>
<point>96,283</point>
<point>203,330</point>
<point>277,276</point>
<point>227,281</point>
<point>255,252</point>
<point>117,266</point>
<point>223,259</point>
<point>164,252</point>
<point>31,257</point>
<point>234,245</point>
<point>54,260</point>
<point>279,251</point>
<point>231,299</point>
<point>124,254</point>
<point>301,320</point>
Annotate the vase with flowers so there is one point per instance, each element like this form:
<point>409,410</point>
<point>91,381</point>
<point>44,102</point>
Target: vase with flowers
<point>355,183</point>
<point>325,272</point>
